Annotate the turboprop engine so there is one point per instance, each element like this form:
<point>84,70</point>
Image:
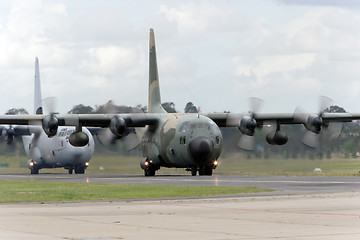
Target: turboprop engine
<point>50,125</point>
<point>277,138</point>
<point>118,126</point>
<point>78,139</point>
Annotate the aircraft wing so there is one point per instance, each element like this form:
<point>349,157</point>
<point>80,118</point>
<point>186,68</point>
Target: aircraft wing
<point>85,120</point>
<point>143,119</point>
<point>233,119</point>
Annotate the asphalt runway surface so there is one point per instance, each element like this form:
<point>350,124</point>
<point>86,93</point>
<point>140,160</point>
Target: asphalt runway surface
<point>300,208</point>
<point>284,185</point>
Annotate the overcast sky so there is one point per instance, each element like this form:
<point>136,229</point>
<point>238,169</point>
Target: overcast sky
<point>216,54</point>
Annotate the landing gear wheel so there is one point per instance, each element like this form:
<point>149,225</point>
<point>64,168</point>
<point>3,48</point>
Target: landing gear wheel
<point>194,171</point>
<point>208,171</point>
<point>205,171</point>
<point>34,170</point>
<point>79,169</point>
<point>71,170</point>
<point>149,172</point>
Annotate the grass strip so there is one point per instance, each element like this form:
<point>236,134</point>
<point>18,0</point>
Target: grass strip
<point>37,191</point>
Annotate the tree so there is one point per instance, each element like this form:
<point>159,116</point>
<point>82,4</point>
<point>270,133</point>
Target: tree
<point>169,107</point>
<point>15,111</point>
<point>81,109</point>
<point>190,108</point>
<point>335,109</point>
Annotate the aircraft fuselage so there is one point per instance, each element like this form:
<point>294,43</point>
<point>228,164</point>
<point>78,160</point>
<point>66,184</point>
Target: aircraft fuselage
<point>57,152</point>
<point>189,141</point>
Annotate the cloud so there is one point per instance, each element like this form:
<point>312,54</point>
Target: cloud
<point>336,3</point>
<point>203,18</point>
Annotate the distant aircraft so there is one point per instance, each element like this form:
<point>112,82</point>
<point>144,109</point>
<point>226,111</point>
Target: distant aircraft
<point>192,141</point>
<point>51,149</point>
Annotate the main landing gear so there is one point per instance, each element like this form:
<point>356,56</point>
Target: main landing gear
<point>203,170</point>
<point>79,169</point>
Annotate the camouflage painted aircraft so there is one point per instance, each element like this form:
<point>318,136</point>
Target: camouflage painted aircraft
<point>192,141</point>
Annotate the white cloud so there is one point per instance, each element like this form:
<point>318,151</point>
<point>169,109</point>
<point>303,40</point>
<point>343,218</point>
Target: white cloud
<point>203,17</point>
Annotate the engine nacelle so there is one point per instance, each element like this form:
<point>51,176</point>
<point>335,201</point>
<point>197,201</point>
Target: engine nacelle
<point>118,126</point>
<point>50,125</point>
<point>9,135</point>
<point>78,139</point>
<point>314,124</point>
<point>247,125</point>
<point>277,138</point>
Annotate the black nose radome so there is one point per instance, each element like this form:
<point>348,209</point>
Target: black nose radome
<point>201,148</point>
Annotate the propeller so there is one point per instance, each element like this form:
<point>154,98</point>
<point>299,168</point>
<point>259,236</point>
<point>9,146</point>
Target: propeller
<point>117,129</point>
<point>9,134</point>
<point>248,124</point>
<point>50,123</point>
<point>50,105</point>
<point>314,123</point>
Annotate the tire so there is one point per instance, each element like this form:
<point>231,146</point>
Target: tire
<point>149,172</point>
<point>194,171</point>
<point>208,171</point>
<point>79,169</point>
<point>34,170</point>
<point>205,171</point>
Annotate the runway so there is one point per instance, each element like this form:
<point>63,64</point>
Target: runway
<point>284,185</point>
<point>300,208</point>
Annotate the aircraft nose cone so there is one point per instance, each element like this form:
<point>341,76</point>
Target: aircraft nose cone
<point>201,148</point>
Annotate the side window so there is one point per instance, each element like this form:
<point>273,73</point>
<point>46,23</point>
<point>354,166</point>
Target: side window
<point>182,140</point>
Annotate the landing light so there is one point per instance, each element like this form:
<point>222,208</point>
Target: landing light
<point>146,163</point>
<point>31,164</point>
<point>87,164</point>
<point>216,163</point>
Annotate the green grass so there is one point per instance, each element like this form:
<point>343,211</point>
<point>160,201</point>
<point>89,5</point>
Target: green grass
<point>240,165</point>
<point>36,191</point>
<point>237,164</point>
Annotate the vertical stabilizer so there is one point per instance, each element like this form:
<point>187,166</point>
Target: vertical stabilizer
<point>37,90</point>
<point>154,87</point>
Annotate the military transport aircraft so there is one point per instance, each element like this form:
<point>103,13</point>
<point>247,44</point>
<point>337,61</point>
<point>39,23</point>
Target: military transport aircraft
<point>51,152</point>
<point>192,141</point>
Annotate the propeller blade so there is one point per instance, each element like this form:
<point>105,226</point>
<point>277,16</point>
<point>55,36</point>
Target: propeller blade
<point>105,136</point>
<point>50,105</point>
<point>131,141</point>
<point>335,129</point>
<point>324,103</point>
<point>300,115</point>
<point>311,139</point>
<point>255,104</point>
<point>247,142</point>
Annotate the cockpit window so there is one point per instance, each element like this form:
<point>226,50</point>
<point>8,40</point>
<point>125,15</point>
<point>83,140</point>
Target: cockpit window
<point>186,126</point>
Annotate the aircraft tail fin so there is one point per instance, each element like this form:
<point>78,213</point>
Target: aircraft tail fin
<point>154,86</point>
<point>38,109</point>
